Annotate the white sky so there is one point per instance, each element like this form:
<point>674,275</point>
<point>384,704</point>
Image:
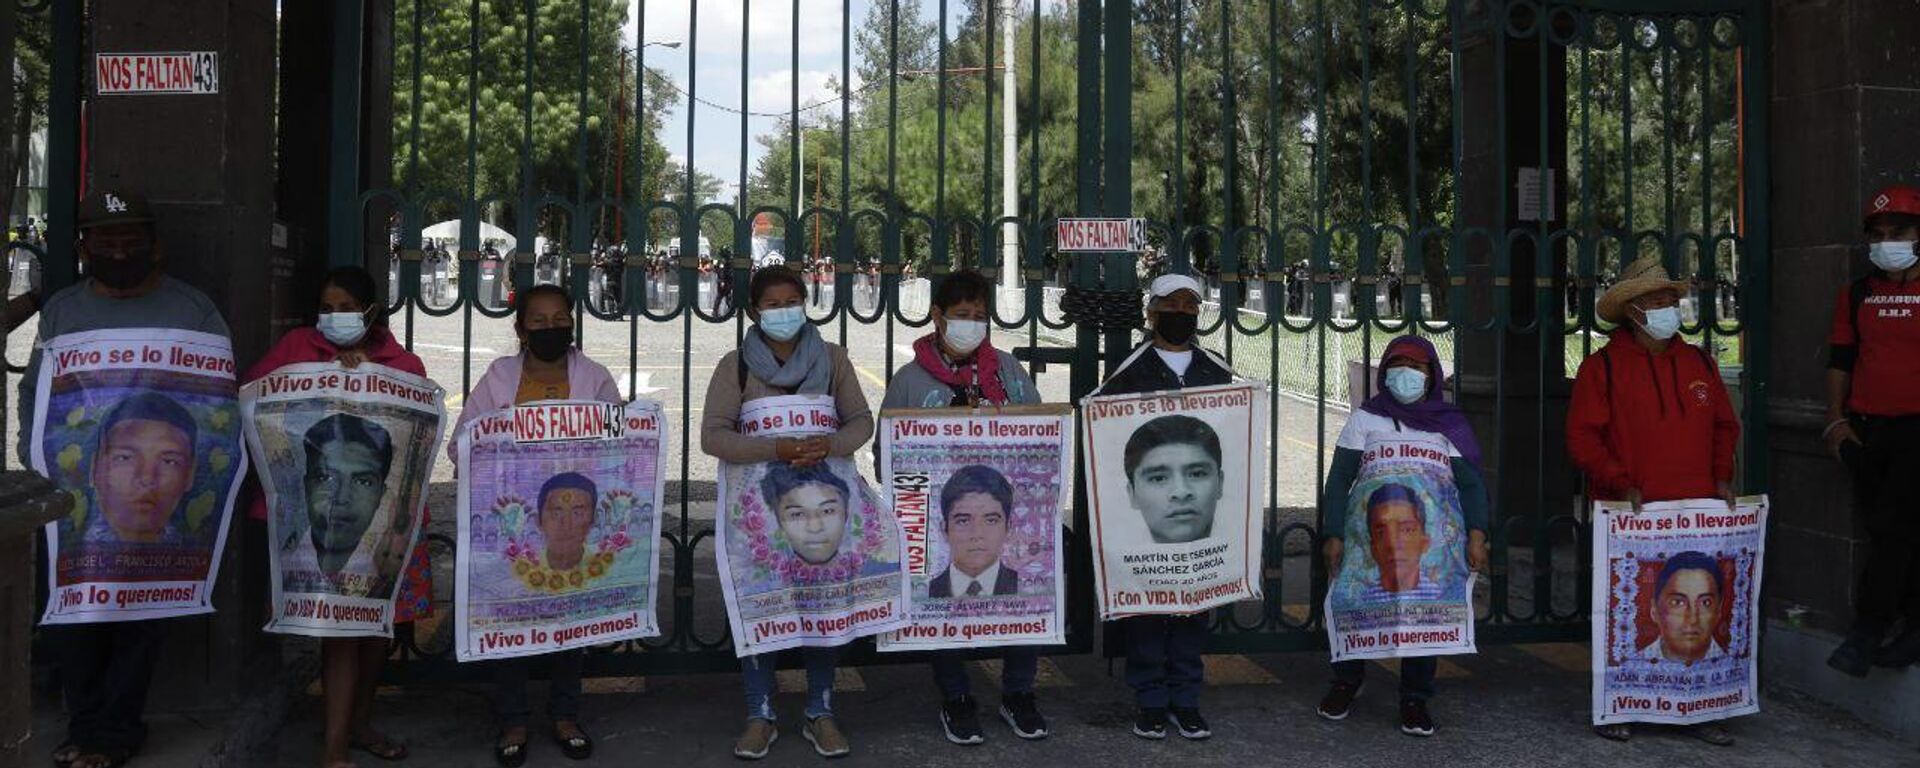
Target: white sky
<point>770,70</point>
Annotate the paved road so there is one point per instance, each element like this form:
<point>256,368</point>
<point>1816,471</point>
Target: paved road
<point>673,362</point>
<point>1508,706</point>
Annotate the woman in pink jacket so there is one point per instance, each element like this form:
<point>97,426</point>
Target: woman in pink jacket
<point>548,367</point>
<point>352,329</point>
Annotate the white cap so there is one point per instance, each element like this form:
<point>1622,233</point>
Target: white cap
<point>1167,284</point>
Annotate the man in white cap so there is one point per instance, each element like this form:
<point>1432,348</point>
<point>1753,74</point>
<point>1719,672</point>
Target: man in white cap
<point>1650,419</point>
<point>1164,666</point>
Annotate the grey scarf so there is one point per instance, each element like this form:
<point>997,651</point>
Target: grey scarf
<point>807,372</point>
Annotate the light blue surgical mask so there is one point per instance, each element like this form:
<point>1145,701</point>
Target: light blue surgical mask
<point>1661,323</point>
<point>1407,385</point>
<point>1892,255</point>
<point>344,329</point>
<point>784,323</point>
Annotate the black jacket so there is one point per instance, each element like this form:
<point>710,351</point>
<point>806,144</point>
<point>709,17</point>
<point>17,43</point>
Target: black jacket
<point>1144,371</point>
<point>1007,583</point>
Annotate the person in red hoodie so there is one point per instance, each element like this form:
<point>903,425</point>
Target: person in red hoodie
<point>1650,419</point>
<point>352,329</point>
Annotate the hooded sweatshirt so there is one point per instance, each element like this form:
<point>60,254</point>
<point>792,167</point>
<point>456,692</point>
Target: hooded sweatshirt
<point>1660,423</point>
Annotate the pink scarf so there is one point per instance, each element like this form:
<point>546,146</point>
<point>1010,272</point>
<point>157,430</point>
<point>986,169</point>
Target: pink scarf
<point>983,370</point>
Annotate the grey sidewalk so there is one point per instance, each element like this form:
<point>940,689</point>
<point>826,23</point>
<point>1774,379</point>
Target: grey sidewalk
<point>1509,706</point>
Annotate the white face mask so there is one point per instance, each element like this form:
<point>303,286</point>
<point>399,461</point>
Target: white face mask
<point>1661,323</point>
<point>964,336</point>
<point>1892,255</point>
<point>344,329</point>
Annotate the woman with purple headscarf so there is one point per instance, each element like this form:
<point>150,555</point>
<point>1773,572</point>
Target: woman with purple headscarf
<point>1407,399</point>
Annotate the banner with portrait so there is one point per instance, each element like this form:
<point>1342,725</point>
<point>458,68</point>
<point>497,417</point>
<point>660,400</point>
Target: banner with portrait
<point>1676,609</point>
<point>344,456</point>
<point>1175,482</point>
<point>1403,588</point>
<point>979,496</point>
<point>808,555</point>
<point>142,427</point>
<point>559,527</point>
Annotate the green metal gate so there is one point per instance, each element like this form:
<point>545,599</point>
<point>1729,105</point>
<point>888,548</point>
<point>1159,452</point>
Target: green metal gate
<point>1338,171</point>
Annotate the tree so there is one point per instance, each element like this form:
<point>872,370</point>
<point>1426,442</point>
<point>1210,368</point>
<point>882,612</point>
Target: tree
<point>493,122</point>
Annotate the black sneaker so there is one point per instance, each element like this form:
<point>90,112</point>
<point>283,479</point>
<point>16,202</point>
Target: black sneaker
<point>1190,723</point>
<point>1338,702</point>
<point>1855,656</point>
<point>1414,720</point>
<point>1151,724</point>
<point>1903,651</point>
<point>962,721</point>
<point>1023,716</point>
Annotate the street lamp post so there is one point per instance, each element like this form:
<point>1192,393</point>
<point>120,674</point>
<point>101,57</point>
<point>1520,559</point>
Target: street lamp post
<point>1009,144</point>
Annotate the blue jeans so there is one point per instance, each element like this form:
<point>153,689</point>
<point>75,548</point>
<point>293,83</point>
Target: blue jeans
<point>1163,659</point>
<point>1416,675</point>
<point>756,672</point>
<point>1019,665</point>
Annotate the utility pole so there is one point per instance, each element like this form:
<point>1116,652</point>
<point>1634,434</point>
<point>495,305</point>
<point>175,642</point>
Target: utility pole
<point>1009,148</point>
<point>799,189</point>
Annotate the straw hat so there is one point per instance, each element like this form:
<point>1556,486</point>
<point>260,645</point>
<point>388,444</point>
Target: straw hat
<point>1639,279</point>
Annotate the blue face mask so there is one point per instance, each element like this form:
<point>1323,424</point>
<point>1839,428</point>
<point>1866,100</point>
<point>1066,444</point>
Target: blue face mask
<point>1407,385</point>
<point>344,329</point>
<point>784,323</point>
<point>1661,323</point>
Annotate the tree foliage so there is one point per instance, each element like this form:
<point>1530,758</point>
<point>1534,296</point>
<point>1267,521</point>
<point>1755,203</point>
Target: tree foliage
<point>493,121</point>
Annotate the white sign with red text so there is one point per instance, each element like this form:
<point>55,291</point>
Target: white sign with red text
<point>118,74</point>
<point>1100,235</point>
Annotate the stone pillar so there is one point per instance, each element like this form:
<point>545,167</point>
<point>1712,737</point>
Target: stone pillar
<point>1844,109</point>
<point>1843,106</point>
<point>27,503</point>
<point>206,163</point>
<point>1501,377</point>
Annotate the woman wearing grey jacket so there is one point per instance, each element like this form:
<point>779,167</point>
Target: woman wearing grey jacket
<point>955,366</point>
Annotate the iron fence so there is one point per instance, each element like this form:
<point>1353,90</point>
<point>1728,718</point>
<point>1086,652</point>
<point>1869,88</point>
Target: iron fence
<point>1340,170</point>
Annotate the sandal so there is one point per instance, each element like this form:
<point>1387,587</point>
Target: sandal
<point>383,748</point>
<point>102,758</point>
<point>65,754</point>
<point>511,755</point>
<point>579,747</point>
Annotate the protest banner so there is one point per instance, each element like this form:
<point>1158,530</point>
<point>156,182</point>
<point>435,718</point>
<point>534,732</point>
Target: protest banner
<point>142,427</point>
<point>1174,482</point>
<point>807,555</point>
<point>344,457</point>
<point>1403,588</point>
<point>1675,610</point>
<point>559,527</point>
<point>978,495</point>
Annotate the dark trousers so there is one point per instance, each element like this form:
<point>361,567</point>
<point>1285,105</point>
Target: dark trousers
<point>563,687</point>
<point>1416,675</point>
<point>1019,665</point>
<point>1163,659</point>
<point>1889,503</point>
<point>105,670</point>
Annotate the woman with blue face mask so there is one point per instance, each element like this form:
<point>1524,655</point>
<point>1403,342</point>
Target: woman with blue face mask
<point>1408,400</point>
<point>350,328</point>
<point>781,355</point>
